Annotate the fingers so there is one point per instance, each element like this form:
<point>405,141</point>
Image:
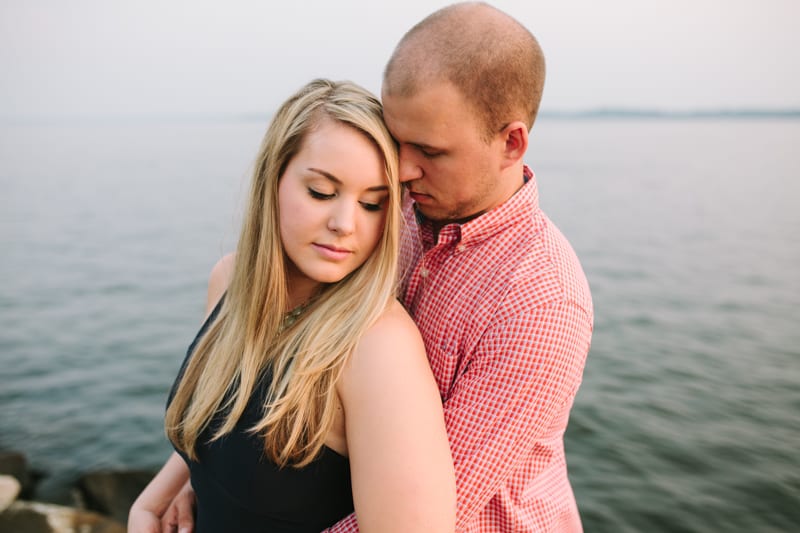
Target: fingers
<point>182,511</point>
<point>169,520</point>
<point>179,516</point>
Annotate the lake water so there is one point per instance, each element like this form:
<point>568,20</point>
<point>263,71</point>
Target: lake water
<point>688,230</point>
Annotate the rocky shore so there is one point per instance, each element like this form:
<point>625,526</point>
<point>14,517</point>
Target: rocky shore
<point>102,500</point>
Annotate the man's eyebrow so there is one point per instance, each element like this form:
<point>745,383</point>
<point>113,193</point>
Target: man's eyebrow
<point>337,181</point>
<point>426,147</point>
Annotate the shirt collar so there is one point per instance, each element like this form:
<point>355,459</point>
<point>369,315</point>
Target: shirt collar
<point>523,204</point>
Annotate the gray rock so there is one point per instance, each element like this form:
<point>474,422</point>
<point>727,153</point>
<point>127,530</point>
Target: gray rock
<point>112,492</point>
<point>14,464</point>
<point>32,517</point>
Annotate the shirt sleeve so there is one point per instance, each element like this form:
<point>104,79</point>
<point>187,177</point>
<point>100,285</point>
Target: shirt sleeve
<point>348,524</point>
<point>524,372</point>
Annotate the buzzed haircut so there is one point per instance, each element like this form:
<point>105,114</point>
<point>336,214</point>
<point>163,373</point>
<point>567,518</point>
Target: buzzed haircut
<point>489,57</point>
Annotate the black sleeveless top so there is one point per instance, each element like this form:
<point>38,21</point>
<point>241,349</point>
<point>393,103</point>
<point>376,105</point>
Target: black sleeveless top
<point>238,489</point>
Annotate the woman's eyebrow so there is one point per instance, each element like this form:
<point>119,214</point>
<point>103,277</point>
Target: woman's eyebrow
<point>336,180</point>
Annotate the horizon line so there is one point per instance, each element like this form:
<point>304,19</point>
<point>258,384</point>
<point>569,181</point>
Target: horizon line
<point>598,112</point>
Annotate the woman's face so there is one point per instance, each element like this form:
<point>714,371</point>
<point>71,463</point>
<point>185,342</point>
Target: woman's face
<point>332,202</point>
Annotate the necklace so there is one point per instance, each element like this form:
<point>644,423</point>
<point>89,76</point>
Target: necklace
<point>291,317</point>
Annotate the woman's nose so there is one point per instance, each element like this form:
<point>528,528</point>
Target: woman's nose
<point>343,218</point>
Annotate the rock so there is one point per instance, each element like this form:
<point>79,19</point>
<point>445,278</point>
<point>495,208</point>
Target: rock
<point>113,492</point>
<point>32,517</point>
<point>14,464</point>
<point>9,490</point>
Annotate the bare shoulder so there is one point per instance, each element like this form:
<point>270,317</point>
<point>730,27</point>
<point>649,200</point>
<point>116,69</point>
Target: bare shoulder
<point>392,346</point>
<point>393,331</point>
<point>394,322</point>
<point>393,408</point>
<point>219,279</point>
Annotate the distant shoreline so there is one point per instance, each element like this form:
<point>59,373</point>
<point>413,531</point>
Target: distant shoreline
<point>684,114</point>
<point>593,114</point>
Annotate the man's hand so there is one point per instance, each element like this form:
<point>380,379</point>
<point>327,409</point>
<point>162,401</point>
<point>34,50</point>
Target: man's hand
<point>179,516</point>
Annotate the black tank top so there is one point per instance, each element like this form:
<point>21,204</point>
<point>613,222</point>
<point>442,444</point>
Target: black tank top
<point>239,489</point>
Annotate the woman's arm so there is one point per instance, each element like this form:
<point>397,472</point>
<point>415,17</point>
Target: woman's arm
<point>169,497</point>
<point>146,512</point>
<point>400,462</point>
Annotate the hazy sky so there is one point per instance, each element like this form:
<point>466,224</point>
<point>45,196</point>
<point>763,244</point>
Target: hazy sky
<point>96,57</point>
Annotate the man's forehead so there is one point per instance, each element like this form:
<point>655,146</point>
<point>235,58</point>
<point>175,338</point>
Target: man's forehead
<point>407,128</point>
<point>440,104</point>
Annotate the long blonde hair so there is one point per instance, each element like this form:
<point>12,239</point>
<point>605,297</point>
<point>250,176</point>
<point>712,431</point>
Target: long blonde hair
<point>248,335</point>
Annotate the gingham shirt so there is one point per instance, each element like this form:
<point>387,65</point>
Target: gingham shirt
<point>506,315</point>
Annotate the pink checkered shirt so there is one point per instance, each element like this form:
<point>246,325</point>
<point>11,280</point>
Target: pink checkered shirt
<point>506,315</point>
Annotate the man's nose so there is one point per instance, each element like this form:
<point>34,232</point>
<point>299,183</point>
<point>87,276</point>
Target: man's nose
<point>409,169</point>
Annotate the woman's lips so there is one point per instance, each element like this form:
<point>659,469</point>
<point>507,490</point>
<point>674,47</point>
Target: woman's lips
<point>332,252</point>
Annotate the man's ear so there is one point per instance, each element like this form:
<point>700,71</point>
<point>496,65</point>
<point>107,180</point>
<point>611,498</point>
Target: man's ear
<point>515,136</point>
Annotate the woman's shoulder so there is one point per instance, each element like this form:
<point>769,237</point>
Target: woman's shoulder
<point>219,279</point>
<point>391,344</point>
<point>394,324</point>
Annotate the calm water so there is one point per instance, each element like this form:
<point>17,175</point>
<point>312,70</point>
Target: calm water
<point>689,232</point>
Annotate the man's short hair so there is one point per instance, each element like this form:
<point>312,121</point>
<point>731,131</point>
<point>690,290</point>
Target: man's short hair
<point>494,61</point>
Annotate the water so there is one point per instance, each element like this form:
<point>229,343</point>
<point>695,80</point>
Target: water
<point>689,233</point>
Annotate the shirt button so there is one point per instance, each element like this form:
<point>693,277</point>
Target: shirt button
<point>424,272</point>
<point>461,248</point>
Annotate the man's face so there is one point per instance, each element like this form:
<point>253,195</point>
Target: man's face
<point>449,169</point>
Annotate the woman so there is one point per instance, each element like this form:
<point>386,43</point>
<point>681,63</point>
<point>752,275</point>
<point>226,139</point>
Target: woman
<point>307,394</point>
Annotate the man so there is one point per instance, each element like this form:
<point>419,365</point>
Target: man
<point>496,290</point>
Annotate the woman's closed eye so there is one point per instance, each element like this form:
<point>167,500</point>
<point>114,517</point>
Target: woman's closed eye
<point>369,206</point>
<point>317,195</point>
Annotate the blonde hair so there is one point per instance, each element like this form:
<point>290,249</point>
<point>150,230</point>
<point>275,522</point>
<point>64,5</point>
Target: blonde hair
<point>307,357</point>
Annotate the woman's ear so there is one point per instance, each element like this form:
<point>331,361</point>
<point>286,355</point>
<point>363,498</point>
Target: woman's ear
<point>515,136</point>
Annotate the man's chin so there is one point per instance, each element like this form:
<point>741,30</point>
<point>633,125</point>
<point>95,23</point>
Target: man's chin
<point>431,214</point>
